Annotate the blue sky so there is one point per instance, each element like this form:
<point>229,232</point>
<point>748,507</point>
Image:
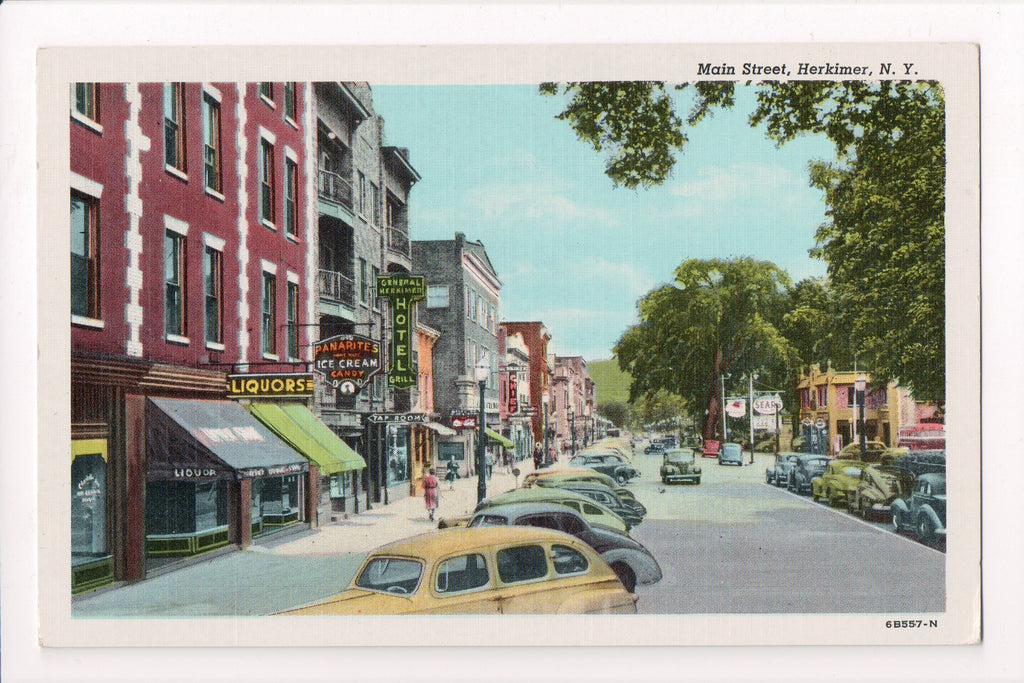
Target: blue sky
<point>571,249</point>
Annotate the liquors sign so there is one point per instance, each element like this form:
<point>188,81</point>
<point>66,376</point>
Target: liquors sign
<point>347,361</point>
<point>402,291</point>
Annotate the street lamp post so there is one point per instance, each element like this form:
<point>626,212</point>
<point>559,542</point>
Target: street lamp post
<point>725,430</point>
<point>861,386</point>
<point>572,428</point>
<point>750,405</point>
<point>544,400</point>
<point>481,370</point>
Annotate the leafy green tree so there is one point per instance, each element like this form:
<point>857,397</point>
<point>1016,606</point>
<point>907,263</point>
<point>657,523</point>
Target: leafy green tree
<point>616,411</point>
<point>884,237</point>
<point>656,405</point>
<point>717,317</point>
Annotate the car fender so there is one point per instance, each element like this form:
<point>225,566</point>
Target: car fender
<point>600,601</point>
<point>644,566</point>
<point>927,510</point>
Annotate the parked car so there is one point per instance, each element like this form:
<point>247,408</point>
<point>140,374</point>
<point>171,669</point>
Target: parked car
<point>838,482</point>
<point>777,473</point>
<point>680,465</point>
<point>879,485</point>
<point>922,462</point>
<point>669,441</point>
<point>593,511</point>
<point>924,510</point>
<point>611,464</point>
<point>874,452</point>
<point>628,558</point>
<point>807,467</point>
<point>503,570</point>
<point>730,453</point>
<point>557,480</point>
<point>654,448</point>
<point>630,514</point>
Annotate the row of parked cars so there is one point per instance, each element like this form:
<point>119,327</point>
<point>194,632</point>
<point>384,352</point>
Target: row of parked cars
<point>558,544</point>
<point>908,488</point>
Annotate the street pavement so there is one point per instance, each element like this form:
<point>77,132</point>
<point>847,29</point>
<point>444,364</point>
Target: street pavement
<point>732,544</point>
<point>279,572</point>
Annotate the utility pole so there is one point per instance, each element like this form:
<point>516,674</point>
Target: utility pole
<point>750,405</point>
<point>725,430</point>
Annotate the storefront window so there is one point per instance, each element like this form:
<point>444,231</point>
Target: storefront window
<point>279,499</point>
<point>88,514</point>
<point>398,454</point>
<point>178,507</point>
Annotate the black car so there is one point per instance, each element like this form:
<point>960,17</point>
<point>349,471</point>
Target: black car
<point>630,514</point>
<point>778,472</point>
<point>923,511</point>
<point>921,462</point>
<point>655,448</point>
<point>615,466</point>
<point>628,558</point>
<point>808,466</point>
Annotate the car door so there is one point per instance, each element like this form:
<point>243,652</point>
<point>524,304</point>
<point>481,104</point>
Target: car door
<point>463,583</point>
<point>537,578</point>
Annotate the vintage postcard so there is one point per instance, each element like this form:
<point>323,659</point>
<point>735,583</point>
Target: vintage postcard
<point>508,345</point>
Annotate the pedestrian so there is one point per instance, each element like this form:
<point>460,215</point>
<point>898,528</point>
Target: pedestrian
<point>538,456</point>
<point>430,493</point>
<point>451,473</point>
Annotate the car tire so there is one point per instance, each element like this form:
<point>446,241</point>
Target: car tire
<point>925,530</point>
<point>626,575</point>
<point>768,479</point>
<point>897,517</point>
<point>697,481</point>
<point>622,479</point>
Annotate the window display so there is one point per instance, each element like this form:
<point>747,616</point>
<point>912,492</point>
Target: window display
<point>88,508</point>
<point>174,507</point>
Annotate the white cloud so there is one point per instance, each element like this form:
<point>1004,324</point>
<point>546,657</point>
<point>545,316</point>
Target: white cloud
<point>532,201</point>
<point>714,183</point>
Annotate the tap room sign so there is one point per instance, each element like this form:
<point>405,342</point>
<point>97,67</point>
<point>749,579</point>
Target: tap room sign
<point>402,291</point>
<point>347,361</point>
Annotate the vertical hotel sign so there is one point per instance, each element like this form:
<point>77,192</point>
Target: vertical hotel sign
<point>402,291</point>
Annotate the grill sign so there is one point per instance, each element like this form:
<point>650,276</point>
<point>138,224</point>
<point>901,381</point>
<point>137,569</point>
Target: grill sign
<point>275,384</point>
<point>347,361</point>
<point>401,291</point>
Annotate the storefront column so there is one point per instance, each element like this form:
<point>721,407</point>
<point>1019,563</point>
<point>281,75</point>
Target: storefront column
<point>131,496</point>
<point>244,507</point>
<point>313,496</point>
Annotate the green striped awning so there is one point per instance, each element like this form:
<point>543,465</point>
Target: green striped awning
<point>499,439</point>
<point>300,428</point>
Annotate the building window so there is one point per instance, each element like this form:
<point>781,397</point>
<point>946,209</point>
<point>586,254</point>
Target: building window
<point>292,320</point>
<point>174,284</point>
<point>85,257</point>
<point>363,199</point>
<point>375,273</point>
<point>174,126</point>
<point>268,337</point>
<point>266,180</point>
<point>822,397</point>
<point>267,92</point>
<point>375,198</point>
<point>437,296</point>
<point>213,278</point>
<point>211,143</point>
<point>87,101</point>
<point>289,100</point>
<point>291,186</point>
<point>363,281</point>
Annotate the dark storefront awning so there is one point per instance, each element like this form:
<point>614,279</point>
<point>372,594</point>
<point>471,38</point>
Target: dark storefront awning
<point>499,439</point>
<point>300,428</point>
<point>190,439</point>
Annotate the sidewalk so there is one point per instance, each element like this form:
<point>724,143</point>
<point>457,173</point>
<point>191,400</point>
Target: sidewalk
<point>400,519</point>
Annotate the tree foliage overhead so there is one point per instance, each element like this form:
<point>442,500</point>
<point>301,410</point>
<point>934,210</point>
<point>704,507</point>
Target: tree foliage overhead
<point>616,411</point>
<point>884,236</point>
<point>718,316</point>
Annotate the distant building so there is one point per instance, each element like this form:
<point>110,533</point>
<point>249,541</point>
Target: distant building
<point>464,303</point>
<point>536,338</point>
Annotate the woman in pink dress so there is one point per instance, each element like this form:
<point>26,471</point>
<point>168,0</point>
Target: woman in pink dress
<point>430,493</point>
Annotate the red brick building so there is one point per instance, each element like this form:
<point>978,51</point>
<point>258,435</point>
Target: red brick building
<point>536,337</point>
<point>193,240</point>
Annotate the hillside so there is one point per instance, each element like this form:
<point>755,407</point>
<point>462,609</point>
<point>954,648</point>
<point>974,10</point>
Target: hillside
<point>610,383</point>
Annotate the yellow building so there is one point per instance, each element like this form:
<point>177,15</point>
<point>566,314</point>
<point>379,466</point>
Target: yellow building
<point>828,410</point>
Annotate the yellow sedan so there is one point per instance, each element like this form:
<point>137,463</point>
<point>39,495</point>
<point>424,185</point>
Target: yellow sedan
<point>491,570</point>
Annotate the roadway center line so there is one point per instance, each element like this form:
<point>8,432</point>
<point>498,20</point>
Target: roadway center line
<point>843,515</point>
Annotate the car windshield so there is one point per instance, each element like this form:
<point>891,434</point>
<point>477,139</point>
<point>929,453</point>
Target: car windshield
<point>731,448</point>
<point>489,520</point>
<point>391,575</point>
<point>852,472</point>
<point>817,464</point>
